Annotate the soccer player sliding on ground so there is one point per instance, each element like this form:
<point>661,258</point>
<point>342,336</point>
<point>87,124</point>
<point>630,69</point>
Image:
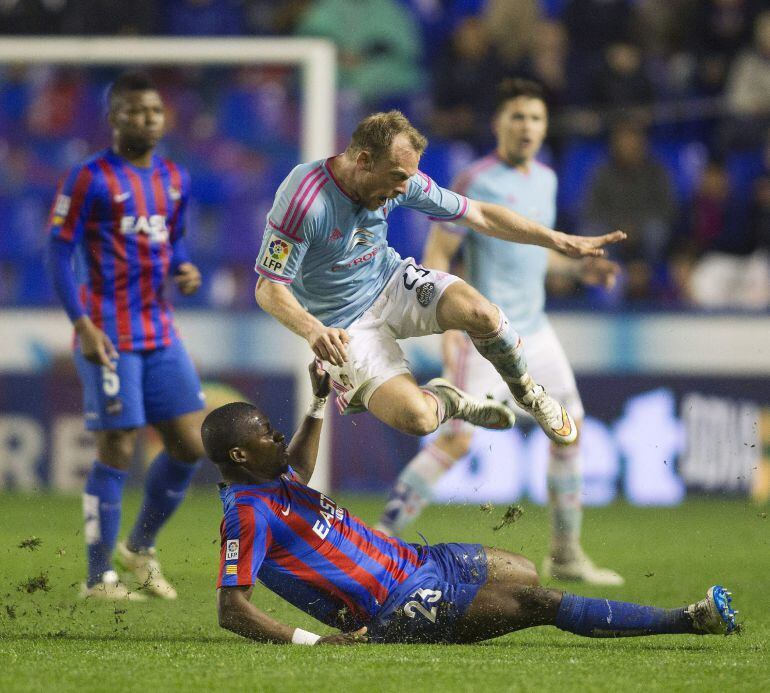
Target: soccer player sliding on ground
<point>313,553</point>
<point>328,274</point>
<point>124,210</point>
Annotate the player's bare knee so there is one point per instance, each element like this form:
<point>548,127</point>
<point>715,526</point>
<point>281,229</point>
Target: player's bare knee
<point>419,421</point>
<point>483,317</point>
<point>116,447</point>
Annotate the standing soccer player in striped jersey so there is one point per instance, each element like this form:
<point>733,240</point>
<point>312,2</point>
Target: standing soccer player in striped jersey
<point>122,212</point>
<point>513,277</point>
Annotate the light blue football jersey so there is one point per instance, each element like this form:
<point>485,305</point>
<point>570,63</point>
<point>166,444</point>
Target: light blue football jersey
<point>512,275</point>
<point>332,252</point>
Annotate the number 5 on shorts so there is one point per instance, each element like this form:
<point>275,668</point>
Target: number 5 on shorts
<point>110,382</point>
<point>429,597</point>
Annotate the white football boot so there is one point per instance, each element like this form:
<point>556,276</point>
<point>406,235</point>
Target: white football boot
<point>714,615</point>
<point>550,415</point>
<point>110,589</point>
<point>581,568</point>
<point>146,568</point>
<point>487,413</point>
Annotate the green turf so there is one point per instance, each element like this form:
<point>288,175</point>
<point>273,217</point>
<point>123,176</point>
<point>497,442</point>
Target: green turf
<point>50,640</point>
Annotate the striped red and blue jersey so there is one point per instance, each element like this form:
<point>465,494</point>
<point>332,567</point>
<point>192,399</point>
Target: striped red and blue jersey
<point>124,219</point>
<point>310,551</point>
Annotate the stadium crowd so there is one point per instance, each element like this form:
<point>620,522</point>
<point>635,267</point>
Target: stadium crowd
<point>661,126</point>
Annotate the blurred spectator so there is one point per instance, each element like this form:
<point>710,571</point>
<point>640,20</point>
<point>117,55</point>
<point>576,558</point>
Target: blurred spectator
<point>621,79</point>
<point>547,60</point>
<point>512,28</point>
<point>709,210</point>
<point>718,29</point>
<point>465,81</point>
<point>632,191</point>
<point>748,88</point>
<point>379,48</point>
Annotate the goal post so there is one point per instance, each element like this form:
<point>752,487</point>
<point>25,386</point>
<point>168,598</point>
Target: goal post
<point>316,60</point>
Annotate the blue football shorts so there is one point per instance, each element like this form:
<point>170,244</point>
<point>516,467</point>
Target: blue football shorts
<point>146,387</point>
<point>426,607</point>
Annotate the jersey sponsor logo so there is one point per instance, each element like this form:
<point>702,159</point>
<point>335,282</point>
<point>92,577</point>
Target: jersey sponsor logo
<point>122,197</point>
<point>232,549</point>
<point>60,209</point>
<point>153,226</point>
<point>277,254</point>
<point>329,512</point>
<point>360,260</point>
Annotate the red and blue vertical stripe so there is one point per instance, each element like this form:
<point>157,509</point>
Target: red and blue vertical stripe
<point>125,219</point>
<point>311,552</point>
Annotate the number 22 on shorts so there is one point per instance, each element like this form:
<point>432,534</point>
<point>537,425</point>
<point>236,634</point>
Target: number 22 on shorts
<point>412,608</point>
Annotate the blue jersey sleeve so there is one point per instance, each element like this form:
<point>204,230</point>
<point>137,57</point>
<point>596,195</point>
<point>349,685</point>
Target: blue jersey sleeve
<point>179,219</point>
<point>245,537</point>
<point>291,224</point>
<point>439,203</point>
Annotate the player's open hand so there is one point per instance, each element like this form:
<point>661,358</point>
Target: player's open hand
<point>586,246</point>
<point>598,271</point>
<point>355,638</point>
<point>319,379</point>
<point>95,345</point>
<point>328,344</point>
<point>187,278</point>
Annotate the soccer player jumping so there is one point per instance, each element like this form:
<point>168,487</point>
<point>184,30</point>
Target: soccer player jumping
<point>312,552</point>
<point>328,274</point>
<point>513,277</point>
<point>123,210</point>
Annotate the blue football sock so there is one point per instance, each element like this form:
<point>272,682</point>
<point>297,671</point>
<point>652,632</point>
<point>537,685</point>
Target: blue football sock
<point>165,487</point>
<point>603,618</point>
<point>101,512</point>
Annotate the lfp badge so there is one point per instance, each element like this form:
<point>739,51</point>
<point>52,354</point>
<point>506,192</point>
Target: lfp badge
<point>277,254</point>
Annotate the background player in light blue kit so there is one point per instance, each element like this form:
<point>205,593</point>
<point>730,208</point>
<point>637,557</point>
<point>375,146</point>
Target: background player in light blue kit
<point>312,552</point>
<point>124,210</point>
<point>328,274</point>
<point>513,277</point>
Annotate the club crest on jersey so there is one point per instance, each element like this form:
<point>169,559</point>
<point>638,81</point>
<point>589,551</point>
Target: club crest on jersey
<point>60,209</point>
<point>425,293</point>
<point>174,193</point>
<point>277,254</point>
<point>153,226</point>
<point>231,549</point>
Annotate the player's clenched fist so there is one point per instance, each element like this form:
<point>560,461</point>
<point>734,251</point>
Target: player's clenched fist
<point>328,344</point>
<point>354,638</point>
<point>586,246</point>
<point>187,278</point>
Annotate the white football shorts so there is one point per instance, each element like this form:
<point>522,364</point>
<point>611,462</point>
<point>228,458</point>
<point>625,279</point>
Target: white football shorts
<point>406,307</point>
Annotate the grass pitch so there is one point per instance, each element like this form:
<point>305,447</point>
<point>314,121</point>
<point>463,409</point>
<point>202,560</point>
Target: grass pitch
<point>51,640</point>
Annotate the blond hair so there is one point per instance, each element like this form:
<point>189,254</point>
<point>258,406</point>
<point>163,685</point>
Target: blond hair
<point>376,132</point>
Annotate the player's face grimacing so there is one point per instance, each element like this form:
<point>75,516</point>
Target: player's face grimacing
<point>387,177</point>
<point>263,454</point>
<point>520,127</point>
<point>138,119</point>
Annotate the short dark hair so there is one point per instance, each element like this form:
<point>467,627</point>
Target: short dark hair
<point>514,87</point>
<point>128,82</point>
<point>227,427</point>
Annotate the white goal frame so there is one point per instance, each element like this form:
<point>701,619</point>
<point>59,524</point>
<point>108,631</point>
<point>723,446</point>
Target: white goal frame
<point>317,60</point>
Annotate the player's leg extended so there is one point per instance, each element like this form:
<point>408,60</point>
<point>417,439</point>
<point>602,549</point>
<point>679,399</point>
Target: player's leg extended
<point>414,487</point>
<point>461,307</point>
<point>174,407</point>
<point>512,600</point>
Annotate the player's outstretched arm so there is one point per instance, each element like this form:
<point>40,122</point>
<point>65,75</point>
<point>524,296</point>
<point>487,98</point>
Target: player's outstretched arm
<point>501,222</point>
<point>239,615</point>
<point>327,343</point>
<point>303,449</point>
